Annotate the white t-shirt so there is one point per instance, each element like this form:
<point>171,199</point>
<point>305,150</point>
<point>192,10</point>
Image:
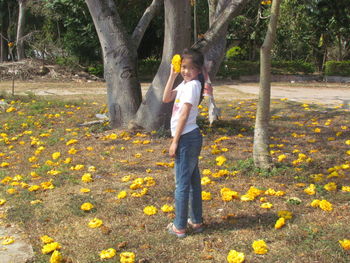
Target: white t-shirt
<point>188,92</point>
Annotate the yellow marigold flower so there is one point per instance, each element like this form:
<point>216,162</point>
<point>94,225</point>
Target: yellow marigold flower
<point>86,206</point>
<point>285,214</point>
<point>78,167</point>
<point>2,201</point>
<point>206,196</point>
<point>67,160</point>
<point>315,203</point>
<point>176,62</point>
<point>84,190</point>
<point>46,239</point>
<point>56,257</point>
<point>266,205</point>
<point>150,210</point>
<point>11,109</point>
<point>345,244</point>
<point>235,257</point>
<point>253,191</point>
<point>326,206</point>
<point>227,194</point>
<point>127,257</point>
<point>4,164</point>
<point>345,188</point>
<point>86,178</point>
<point>72,141</point>
<point>280,223</point>
<point>317,130</point>
<point>205,180</point>
<point>56,155</point>
<point>47,185</point>
<point>8,241</point>
<point>167,208</point>
<point>94,223</point>
<point>112,136</point>
<point>122,194</point>
<point>281,157</point>
<point>48,248</point>
<point>247,197</point>
<point>260,247</point>
<point>92,168</point>
<point>108,253</point>
<point>11,191</point>
<point>220,160</point>
<point>347,142</point>
<point>126,178</point>
<point>206,172</point>
<point>72,151</point>
<point>34,188</point>
<point>53,172</point>
<point>311,190</point>
<point>332,186</point>
<point>34,202</point>
<point>138,155</point>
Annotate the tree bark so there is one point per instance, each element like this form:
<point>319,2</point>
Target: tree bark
<point>20,30</point>
<point>221,12</point>
<point>119,57</point>
<point>153,114</point>
<point>261,155</point>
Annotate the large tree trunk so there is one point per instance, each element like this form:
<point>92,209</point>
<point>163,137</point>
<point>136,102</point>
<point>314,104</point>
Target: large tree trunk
<point>154,114</point>
<point>20,30</point>
<point>213,45</point>
<point>261,155</point>
<point>119,57</point>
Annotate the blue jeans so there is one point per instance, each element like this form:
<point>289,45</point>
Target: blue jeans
<point>188,191</point>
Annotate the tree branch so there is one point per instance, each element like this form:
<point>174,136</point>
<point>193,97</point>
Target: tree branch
<point>233,8</point>
<point>145,20</point>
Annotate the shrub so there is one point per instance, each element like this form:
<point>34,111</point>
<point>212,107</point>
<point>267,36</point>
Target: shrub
<point>236,53</point>
<point>292,67</point>
<point>96,70</point>
<point>234,69</point>
<point>337,68</point>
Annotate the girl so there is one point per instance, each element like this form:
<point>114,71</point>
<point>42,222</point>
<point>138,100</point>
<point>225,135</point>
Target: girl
<point>186,143</point>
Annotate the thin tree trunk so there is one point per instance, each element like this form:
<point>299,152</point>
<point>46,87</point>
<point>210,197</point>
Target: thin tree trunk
<point>261,155</point>
<point>20,30</point>
<point>152,113</point>
<point>119,57</point>
<point>340,48</point>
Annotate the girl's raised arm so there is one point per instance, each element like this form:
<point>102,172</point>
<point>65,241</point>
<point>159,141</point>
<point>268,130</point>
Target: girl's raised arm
<point>169,94</point>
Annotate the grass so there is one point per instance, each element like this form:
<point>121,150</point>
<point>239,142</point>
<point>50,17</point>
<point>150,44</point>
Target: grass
<point>310,236</point>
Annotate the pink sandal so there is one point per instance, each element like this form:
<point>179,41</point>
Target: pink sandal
<point>172,230</point>
<point>196,228</point>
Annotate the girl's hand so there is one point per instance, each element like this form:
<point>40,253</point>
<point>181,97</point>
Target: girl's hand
<point>172,71</point>
<point>172,149</point>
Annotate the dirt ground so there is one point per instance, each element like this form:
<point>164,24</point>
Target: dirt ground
<point>313,92</point>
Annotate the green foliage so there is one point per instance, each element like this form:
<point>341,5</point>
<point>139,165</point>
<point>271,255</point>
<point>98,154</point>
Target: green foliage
<point>236,53</point>
<point>96,70</point>
<point>337,68</point>
<point>234,69</point>
<point>292,67</point>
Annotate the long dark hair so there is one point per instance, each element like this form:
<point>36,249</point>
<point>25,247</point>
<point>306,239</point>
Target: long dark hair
<point>198,60</point>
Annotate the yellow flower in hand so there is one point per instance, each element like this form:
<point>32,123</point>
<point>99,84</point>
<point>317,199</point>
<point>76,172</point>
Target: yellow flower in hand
<point>176,62</point>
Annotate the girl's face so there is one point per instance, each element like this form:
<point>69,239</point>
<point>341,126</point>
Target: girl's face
<point>188,70</point>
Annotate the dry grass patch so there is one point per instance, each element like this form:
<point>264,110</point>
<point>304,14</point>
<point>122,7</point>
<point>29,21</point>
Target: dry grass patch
<point>308,146</point>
